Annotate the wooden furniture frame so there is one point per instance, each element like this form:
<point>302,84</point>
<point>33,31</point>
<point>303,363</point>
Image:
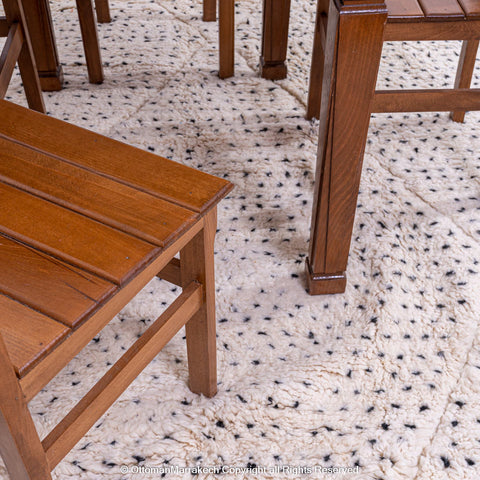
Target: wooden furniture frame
<point>40,26</point>
<point>18,48</point>
<point>108,219</point>
<point>348,46</point>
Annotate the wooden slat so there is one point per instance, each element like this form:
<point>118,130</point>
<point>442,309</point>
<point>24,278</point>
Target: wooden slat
<point>35,380</point>
<point>404,10</point>
<point>434,9</point>
<point>28,335</point>
<point>426,100</point>
<point>53,229</point>
<point>471,8</point>
<point>9,56</point>
<point>58,290</point>
<point>97,401</point>
<point>166,179</point>
<point>112,203</point>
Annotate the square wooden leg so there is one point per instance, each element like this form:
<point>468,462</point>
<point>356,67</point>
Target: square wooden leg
<point>196,263</point>
<point>20,445</point>
<point>466,66</point>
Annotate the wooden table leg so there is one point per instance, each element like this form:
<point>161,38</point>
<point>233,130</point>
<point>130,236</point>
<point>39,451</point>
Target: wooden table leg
<point>276,14</point>
<point>352,57</point>
<point>39,23</point>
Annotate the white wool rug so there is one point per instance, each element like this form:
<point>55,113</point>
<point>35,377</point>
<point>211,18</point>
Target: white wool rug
<point>385,377</point>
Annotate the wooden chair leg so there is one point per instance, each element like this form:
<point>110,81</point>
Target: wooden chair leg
<point>26,60</point>
<point>196,263</point>
<point>30,79</point>
<point>276,16</point>
<point>20,445</point>
<point>102,9</point>
<point>209,10</point>
<point>90,40</point>
<point>226,41</point>
<point>466,65</point>
<point>316,70</point>
<point>352,57</point>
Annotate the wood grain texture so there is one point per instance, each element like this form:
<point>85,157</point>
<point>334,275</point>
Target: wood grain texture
<point>197,264</point>
<point>56,289</point>
<point>42,373</point>
<point>168,180</point>
<point>57,217</point>
<point>30,337</point>
<point>471,8</point>
<point>52,229</point>
<point>353,49</point>
<point>352,53</point>
<point>125,208</point>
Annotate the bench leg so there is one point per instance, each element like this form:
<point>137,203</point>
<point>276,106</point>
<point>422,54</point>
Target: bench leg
<point>466,65</point>
<point>196,263</point>
<point>20,444</point>
<point>88,27</point>
<point>352,57</point>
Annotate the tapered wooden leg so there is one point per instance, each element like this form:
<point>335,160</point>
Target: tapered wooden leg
<point>466,65</point>
<point>88,27</point>
<point>196,263</point>
<point>352,57</point>
<point>209,10</point>
<point>316,70</point>
<point>276,15</point>
<point>40,27</point>
<point>20,444</point>
<point>226,45</point>
<point>102,10</point>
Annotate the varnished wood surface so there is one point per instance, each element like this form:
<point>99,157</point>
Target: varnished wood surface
<point>185,187</point>
<point>71,236</point>
<point>432,10</point>
<point>31,336</point>
<point>48,285</point>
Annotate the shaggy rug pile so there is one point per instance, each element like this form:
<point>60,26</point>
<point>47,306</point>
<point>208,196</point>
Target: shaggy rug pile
<point>385,378</point>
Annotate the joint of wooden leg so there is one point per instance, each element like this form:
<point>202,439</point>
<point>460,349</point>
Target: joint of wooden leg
<point>51,81</point>
<point>171,272</point>
<point>325,283</point>
<point>273,71</point>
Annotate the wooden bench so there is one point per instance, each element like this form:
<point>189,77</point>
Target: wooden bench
<point>85,223</point>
